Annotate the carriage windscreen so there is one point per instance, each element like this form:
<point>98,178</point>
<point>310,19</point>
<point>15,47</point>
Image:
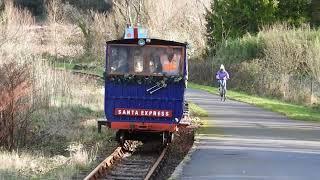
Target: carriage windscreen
<point>145,60</point>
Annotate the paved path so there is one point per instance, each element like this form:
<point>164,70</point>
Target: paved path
<point>244,142</point>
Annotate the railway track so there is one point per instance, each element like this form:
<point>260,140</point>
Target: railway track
<point>82,74</point>
<point>133,164</point>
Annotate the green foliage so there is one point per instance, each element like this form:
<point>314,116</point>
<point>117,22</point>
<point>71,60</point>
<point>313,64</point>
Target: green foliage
<point>315,12</point>
<point>238,50</point>
<point>37,7</point>
<point>231,19</point>
<point>1,5</point>
<point>291,41</point>
<point>97,5</point>
<point>294,12</point>
<point>278,61</point>
<point>234,18</point>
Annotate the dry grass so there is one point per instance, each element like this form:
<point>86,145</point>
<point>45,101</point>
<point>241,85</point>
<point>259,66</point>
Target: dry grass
<point>60,99</point>
<point>27,164</point>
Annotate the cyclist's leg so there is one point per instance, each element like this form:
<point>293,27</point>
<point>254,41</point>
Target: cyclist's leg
<point>225,84</point>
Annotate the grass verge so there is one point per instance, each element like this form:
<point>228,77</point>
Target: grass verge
<point>292,111</point>
<point>197,111</point>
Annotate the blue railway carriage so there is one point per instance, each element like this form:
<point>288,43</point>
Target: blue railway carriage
<point>144,88</point>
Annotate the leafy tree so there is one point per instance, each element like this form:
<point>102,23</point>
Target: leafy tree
<point>35,6</point>
<point>294,12</point>
<point>234,18</point>
<point>1,5</point>
<point>315,12</point>
<point>98,5</point>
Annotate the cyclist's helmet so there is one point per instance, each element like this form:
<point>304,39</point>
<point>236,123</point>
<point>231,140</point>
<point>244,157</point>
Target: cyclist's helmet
<point>222,67</point>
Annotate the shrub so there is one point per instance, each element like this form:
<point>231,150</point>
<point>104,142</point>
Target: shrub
<point>234,18</point>
<point>294,12</point>
<point>34,6</point>
<point>240,49</point>
<point>96,5</point>
<point>15,107</point>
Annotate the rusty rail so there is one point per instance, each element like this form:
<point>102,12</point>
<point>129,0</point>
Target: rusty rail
<point>156,164</point>
<point>102,168</point>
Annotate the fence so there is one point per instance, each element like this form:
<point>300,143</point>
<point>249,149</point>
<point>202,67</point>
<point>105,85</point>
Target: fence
<point>304,90</point>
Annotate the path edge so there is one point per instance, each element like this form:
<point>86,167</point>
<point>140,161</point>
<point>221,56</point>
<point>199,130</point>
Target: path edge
<point>178,170</point>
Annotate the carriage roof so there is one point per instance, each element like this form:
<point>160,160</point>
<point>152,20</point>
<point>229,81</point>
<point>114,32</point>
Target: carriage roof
<point>152,42</point>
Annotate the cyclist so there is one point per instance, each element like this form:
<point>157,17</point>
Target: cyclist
<point>222,76</point>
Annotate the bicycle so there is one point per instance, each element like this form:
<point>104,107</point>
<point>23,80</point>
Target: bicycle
<point>222,90</point>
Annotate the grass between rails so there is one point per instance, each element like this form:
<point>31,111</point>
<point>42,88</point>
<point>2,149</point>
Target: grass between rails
<point>292,111</point>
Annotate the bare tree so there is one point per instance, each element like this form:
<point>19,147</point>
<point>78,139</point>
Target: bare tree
<point>15,87</point>
<point>131,11</point>
<point>178,20</point>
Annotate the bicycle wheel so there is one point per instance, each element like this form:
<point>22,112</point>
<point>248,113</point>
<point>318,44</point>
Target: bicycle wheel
<point>224,95</point>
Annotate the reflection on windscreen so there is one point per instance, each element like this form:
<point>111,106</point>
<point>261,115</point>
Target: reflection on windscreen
<point>145,60</point>
<point>119,60</point>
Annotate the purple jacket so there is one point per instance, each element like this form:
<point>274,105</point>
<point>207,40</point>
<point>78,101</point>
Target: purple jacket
<point>222,75</point>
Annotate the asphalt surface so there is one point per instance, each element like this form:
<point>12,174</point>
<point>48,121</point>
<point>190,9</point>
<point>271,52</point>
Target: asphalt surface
<point>241,142</point>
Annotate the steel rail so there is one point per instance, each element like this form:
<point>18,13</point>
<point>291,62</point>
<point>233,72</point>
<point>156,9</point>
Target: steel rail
<point>101,169</point>
<point>156,164</point>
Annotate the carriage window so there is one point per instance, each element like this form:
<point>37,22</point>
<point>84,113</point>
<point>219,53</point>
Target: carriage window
<point>138,60</point>
<point>146,60</point>
<point>119,60</point>
<point>154,63</point>
<point>170,60</point>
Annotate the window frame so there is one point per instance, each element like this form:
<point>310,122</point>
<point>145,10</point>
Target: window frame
<point>146,60</point>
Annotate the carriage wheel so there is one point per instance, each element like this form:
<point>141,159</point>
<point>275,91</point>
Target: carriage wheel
<point>167,137</point>
<point>164,139</point>
<point>121,137</point>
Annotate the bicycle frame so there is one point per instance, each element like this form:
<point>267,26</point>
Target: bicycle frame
<point>223,89</point>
